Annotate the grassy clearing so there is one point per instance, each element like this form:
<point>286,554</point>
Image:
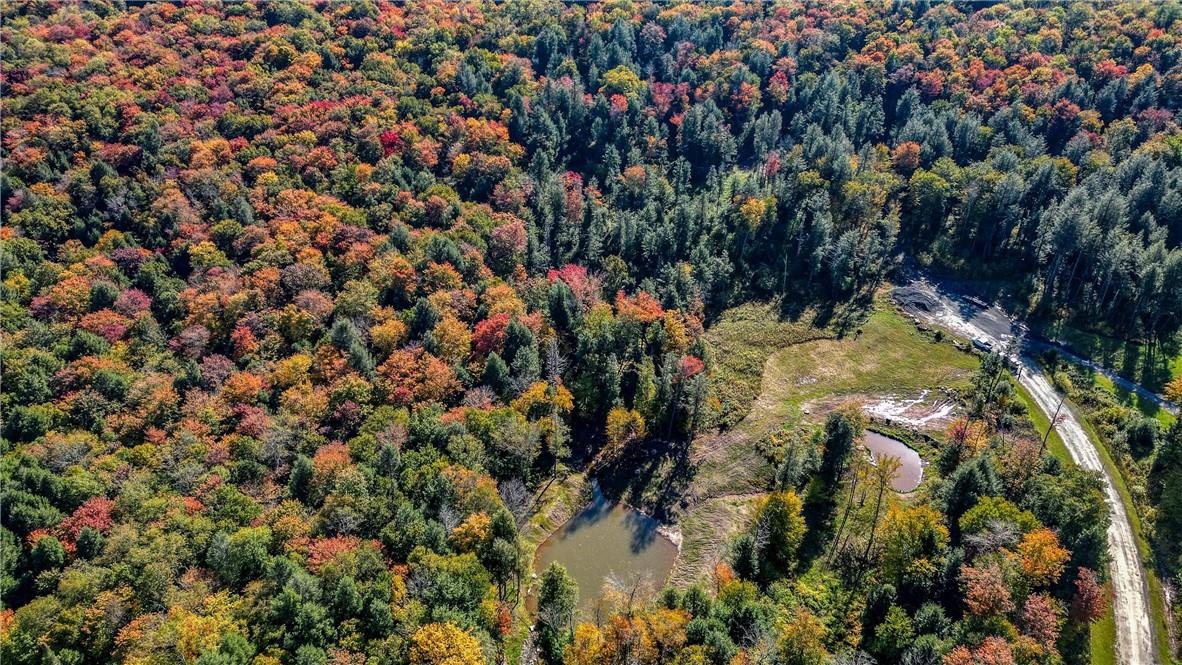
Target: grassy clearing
<point>728,464</point>
<point>706,528</point>
<point>740,343</point>
<point>1130,359</point>
<point>776,368</point>
<point>889,357</point>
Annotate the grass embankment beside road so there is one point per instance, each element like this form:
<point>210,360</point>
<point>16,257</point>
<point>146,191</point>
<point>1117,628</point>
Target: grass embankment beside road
<point>1104,631</point>
<point>1055,445</point>
<point>1102,641</point>
<point>1130,359</point>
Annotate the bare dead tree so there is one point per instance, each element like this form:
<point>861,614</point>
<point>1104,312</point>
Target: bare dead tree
<point>517,499</point>
<point>633,588</point>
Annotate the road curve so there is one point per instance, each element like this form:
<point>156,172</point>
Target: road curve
<point>1134,632</point>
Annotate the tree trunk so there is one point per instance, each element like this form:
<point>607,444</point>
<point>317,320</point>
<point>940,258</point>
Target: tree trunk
<point>849,506</point>
<point>883,474</point>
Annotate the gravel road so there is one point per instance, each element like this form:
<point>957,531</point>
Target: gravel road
<point>1134,633</point>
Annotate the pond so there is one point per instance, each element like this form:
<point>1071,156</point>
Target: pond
<point>910,466</point>
<point>603,540</point>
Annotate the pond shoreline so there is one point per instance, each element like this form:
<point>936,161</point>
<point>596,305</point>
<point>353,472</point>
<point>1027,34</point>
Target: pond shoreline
<point>910,474</point>
<point>614,520</point>
<point>670,530</point>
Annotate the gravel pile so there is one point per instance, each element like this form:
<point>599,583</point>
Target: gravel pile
<point>915,299</point>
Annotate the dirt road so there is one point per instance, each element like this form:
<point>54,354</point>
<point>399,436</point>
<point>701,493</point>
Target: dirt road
<point>931,302</point>
<point>1134,633</point>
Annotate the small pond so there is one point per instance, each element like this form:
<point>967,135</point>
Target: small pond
<point>607,539</point>
<point>910,466</point>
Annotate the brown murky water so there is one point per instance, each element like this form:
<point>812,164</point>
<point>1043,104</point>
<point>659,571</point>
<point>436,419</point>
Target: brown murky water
<point>910,467</point>
<point>607,540</point>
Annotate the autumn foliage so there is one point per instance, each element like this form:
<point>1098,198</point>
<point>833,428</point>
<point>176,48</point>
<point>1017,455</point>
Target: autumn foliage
<point>307,307</point>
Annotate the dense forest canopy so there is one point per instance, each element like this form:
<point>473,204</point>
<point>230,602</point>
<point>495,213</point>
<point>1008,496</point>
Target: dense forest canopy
<point>301,302</point>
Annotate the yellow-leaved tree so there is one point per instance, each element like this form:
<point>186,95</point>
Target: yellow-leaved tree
<point>1174,389</point>
<point>1042,557</point>
<point>587,646</point>
<point>444,644</point>
<point>623,427</point>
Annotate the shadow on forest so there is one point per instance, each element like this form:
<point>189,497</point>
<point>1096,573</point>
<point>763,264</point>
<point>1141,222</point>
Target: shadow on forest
<point>654,476</point>
<point>819,504</point>
<point>1147,364</point>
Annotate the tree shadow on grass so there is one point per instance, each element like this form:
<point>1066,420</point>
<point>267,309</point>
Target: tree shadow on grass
<point>1155,371</point>
<point>844,318</point>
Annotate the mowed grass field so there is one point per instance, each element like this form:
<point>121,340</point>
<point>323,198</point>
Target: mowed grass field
<point>740,344</point>
<point>793,364</point>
